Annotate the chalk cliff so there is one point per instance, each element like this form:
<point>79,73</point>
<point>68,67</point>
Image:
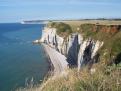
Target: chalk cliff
<point>77,50</point>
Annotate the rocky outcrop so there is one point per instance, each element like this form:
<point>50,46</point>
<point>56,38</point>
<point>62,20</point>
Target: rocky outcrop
<point>78,52</point>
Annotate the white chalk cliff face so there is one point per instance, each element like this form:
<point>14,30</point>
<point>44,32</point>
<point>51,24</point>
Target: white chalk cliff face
<point>88,52</point>
<point>78,52</point>
<point>50,37</point>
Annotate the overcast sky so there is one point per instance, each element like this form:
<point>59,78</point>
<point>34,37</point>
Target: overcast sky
<point>18,10</point>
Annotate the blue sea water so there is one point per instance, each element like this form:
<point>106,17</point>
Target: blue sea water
<point>20,60</point>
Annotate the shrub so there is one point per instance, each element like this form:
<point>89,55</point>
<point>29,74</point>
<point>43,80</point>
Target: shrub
<point>62,28</point>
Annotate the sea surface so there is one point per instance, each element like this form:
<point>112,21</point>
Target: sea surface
<point>21,62</point>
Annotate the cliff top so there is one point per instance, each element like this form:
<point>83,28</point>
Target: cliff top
<point>100,22</point>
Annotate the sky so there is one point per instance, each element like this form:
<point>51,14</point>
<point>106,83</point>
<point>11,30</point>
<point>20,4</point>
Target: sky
<point>19,10</point>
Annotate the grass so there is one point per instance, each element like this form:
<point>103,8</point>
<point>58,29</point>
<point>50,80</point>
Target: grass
<point>63,29</point>
<point>104,79</point>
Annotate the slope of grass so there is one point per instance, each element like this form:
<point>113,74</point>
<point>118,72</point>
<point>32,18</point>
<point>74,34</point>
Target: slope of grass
<point>104,79</point>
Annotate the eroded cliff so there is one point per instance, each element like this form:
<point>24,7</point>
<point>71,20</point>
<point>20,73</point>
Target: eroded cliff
<point>78,51</point>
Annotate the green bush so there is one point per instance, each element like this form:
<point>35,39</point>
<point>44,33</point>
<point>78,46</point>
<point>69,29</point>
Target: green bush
<point>61,27</point>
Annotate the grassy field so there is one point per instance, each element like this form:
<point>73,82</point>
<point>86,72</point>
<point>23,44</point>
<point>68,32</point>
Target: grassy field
<point>102,22</point>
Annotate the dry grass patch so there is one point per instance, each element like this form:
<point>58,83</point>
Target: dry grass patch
<point>104,79</point>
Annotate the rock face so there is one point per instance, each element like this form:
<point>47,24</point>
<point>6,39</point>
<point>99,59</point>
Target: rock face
<point>72,49</point>
<point>79,52</point>
<point>88,52</point>
<point>50,37</point>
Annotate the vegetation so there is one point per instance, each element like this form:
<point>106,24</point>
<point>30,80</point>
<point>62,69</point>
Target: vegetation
<point>63,29</point>
<point>104,79</point>
<point>87,30</point>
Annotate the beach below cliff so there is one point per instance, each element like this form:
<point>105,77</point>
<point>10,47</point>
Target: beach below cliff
<point>57,59</point>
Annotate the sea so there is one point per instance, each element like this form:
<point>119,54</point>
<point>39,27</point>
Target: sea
<point>21,61</point>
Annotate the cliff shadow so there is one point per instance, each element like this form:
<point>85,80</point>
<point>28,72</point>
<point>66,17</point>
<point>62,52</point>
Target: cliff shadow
<point>72,56</point>
<point>87,55</point>
<point>87,60</point>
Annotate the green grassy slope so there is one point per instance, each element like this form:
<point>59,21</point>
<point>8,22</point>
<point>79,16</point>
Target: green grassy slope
<point>104,79</point>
